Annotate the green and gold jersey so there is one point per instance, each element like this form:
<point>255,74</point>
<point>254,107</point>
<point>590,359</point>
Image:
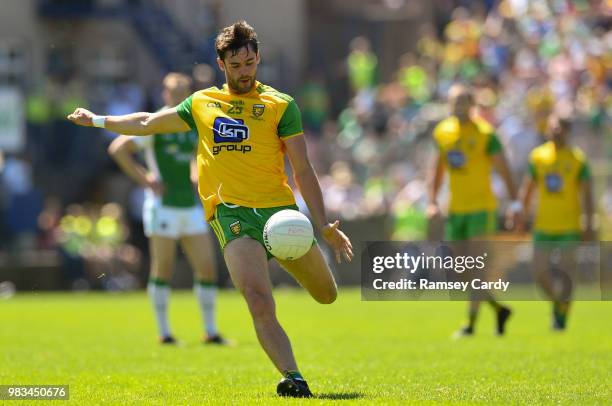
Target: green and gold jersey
<point>558,173</point>
<point>169,157</point>
<point>240,149</point>
<point>466,150</point>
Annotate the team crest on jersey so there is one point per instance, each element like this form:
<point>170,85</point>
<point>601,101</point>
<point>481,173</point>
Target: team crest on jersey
<point>554,182</point>
<point>235,227</point>
<point>456,159</point>
<point>258,109</point>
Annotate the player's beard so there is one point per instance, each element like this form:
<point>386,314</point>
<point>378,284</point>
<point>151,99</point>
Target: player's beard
<point>238,87</point>
<point>559,139</point>
<point>463,115</point>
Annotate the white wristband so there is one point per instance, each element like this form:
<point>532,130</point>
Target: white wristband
<point>516,206</point>
<point>98,121</point>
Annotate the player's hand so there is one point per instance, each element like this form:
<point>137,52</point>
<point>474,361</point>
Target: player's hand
<point>432,210</point>
<point>81,117</point>
<point>520,222</point>
<point>194,180</point>
<point>155,185</point>
<point>515,221</point>
<point>338,241</point>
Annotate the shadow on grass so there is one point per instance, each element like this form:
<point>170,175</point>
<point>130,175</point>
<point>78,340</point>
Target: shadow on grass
<point>340,396</point>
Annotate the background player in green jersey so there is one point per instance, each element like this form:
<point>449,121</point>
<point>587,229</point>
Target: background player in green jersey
<point>172,212</point>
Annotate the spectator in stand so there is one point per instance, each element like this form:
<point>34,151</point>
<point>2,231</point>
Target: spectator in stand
<point>314,103</point>
<point>362,65</point>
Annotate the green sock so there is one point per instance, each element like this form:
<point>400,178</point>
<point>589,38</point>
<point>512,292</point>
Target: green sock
<point>560,310</point>
<point>472,316</point>
<point>295,375</point>
<point>494,304</point>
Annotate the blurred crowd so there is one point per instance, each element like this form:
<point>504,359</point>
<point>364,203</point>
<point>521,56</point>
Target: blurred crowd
<point>54,194</point>
<point>523,58</point>
<point>91,242</point>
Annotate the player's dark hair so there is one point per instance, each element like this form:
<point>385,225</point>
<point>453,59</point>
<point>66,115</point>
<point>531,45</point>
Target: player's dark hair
<point>563,120</point>
<point>234,37</point>
<point>457,90</point>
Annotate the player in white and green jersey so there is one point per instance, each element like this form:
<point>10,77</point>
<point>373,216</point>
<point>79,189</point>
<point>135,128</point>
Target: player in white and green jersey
<point>172,212</point>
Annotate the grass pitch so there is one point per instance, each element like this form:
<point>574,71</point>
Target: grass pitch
<point>104,346</point>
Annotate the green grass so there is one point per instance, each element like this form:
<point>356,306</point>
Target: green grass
<point>104,346</point>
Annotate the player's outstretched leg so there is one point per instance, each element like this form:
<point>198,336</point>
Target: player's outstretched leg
<point>314,274</point>
<point>163,253</point>
<point>199,251</point>
<point>248,266</point>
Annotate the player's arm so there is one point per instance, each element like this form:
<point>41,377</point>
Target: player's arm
<point>307,182</point>
<point>436,176</point>
<point>164,121</point>
<point>586,185</point>
<point>525,195</point>
<point>122,150</point>
<point>515,209</point>
<point>501,166</point>
<point>193,171</point>
<point>500,163</point>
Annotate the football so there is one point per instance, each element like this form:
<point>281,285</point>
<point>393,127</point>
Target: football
<point>288,235</point>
